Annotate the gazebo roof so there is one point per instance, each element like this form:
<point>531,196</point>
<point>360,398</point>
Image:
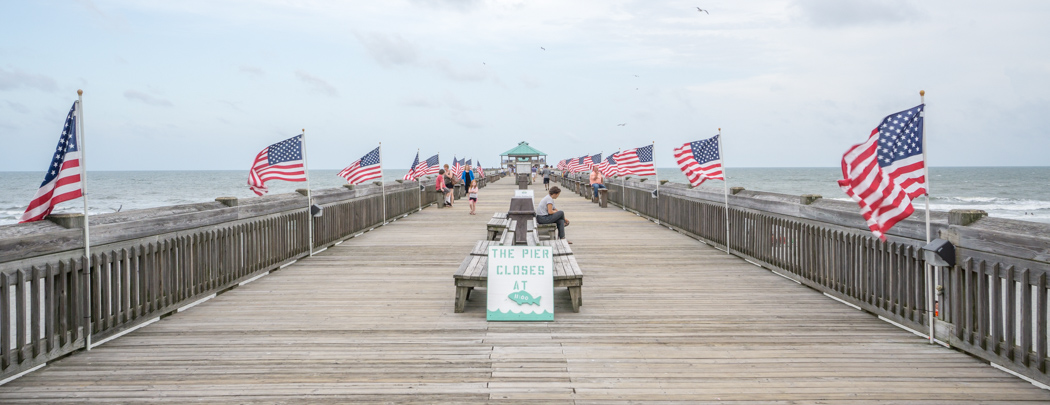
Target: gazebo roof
<point>523,149</point>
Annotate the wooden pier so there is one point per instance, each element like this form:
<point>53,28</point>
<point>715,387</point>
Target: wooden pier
<point>667,318</point>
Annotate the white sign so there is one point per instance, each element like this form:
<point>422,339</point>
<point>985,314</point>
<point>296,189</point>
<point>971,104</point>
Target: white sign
<point>520,283</point>
<point>524,193</point>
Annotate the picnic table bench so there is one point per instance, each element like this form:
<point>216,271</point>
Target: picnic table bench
<point>473,271</point>
<point>499,223</point>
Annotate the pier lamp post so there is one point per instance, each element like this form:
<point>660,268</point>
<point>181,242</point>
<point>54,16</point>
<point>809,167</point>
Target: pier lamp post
<point>938,253</point>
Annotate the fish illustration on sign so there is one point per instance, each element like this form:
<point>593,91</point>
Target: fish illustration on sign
<point>523,297</point>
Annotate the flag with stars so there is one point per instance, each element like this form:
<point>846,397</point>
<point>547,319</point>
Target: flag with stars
<point>62,181</point>
<point>457,167</point>
<point>481,171</point>
<point>280,161</point>
<point>700,161</point>
<point>432,166</point>
<point>594,161</point>
<point>470,162</point>
<point>413,170</point>
<point>887,171</point>
<point>637,161</point>
<point>366,168</point>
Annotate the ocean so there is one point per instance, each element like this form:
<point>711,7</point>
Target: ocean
<point>1021,193</point>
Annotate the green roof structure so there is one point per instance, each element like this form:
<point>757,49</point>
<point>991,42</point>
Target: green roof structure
<point>523,150</point>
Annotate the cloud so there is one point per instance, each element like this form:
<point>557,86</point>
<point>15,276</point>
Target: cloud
<point>450,71</point>
<point>530,82</point>
<point>14,79</point>
<point>252,70</point>
<point>838,13</point>
<point>146,98</point>
<point>420,101</point>
<point>455,5</point>
<point>18,107</point>
<point>389,50</point>
<point>317,83</point>
<point>466,119</point>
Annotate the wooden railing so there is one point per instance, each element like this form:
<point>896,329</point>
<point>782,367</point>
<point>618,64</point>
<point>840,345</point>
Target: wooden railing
<point>148,263</point>
<point>992,304</point>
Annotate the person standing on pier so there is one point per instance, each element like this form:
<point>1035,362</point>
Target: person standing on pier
<point>473,195</point>
<point>546,177</point>
<point>468,176</point>
<point>597,181</point>
<point>547,213</point>
<point>450,182</point>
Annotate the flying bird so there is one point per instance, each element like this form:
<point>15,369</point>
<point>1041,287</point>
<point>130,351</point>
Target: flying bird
<point>622,125</point>
<point>543,48</point>
<point>698,9</point>
<point>635,75</point>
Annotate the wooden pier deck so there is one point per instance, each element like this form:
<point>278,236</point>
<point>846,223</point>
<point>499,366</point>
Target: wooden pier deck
<point>665,318</point>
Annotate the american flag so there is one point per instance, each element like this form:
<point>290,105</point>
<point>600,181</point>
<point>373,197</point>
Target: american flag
<point>62,180</point>
<point>432,166</point>
<point>413,169</point>
<point>457,167</point>
<point>481,171</point>
<point>280,161</point>
<point>366,168</point>
<point>885,172</point>
<point>575,165</point>
<point>595,160</point>
<point>562,165</point>
<point>608,167</point>
<point>700,161</point>
<point>637,161</point>
<point>469,162</point>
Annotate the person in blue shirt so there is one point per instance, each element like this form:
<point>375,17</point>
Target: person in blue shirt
<point>468,177</point>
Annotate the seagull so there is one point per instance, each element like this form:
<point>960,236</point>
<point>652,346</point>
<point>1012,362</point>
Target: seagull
<point>698,9</point>
<point>635,75</point>
<point>622,125</point>
<point>543,48</point>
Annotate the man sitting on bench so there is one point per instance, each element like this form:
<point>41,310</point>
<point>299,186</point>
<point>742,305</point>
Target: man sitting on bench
<point>546,213</point>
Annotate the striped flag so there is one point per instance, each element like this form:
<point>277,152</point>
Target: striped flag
<point>576,164</point>
<point>457,167</point>
<point>413,169</point>
<point>593,160</point>
<point>62,181</point>
<point>280,161</point>
<point>608,167</point>
<point>637,161</point>
<point>432,166</point>
<point>481,171</point>
<point>885,172</point>
<point>366,168</point>
<point>562,165</point>
<point>700,160</point>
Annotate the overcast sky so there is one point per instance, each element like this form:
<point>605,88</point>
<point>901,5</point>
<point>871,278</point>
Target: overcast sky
<point>193,85</point>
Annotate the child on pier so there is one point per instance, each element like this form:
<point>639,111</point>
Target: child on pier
<point>473,194</point>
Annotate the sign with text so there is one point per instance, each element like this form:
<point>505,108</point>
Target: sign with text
<point>524,193</point>
<point>520,283</point>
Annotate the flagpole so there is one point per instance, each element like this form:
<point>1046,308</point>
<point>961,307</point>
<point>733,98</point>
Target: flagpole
<point>419,183</point>
<point>382,181</point>
<point>657,185</point>
<point>309,198</point>
<point>926,175</point>
<point>725,187</point>
<point>87,233</point>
